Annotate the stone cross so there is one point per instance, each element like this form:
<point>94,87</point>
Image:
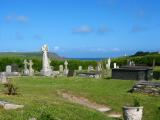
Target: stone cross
<point>66,67</point>
<point>46,69</point>
<point>31,71</point>
<point>108,66</point>
<point>25,71</point>
<point>25,64</point>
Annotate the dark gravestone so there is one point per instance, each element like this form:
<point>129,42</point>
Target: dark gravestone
<point>14,68</point>
<point>132,73</point>
<point>70,73</point>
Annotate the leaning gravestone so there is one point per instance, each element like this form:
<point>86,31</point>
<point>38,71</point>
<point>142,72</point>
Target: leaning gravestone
<point>3,78</point>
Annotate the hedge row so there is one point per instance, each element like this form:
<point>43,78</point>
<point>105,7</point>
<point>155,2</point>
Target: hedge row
<point>140,60</point>
<point>72,64</point>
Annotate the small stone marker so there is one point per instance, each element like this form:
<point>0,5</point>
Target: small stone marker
<point>10,106</point>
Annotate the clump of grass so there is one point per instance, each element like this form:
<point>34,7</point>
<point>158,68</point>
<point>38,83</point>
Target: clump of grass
<point>10,89</point>
<point>136,103</point>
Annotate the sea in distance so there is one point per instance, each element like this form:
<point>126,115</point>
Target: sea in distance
<point>96,59</point>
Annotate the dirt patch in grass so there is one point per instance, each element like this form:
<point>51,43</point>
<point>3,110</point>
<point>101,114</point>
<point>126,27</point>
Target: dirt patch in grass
<point>85,102</point>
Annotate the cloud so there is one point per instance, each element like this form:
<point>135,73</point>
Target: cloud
<point>82,29</point>
<point>138,29</point>
<point>22,18</point>
<point>115,50</point>
<point>9,18</point>
<point>19,36</point>
<point>18,18</point>
<point>141,13</point>
<point>56,48</point>
<point>37,37</point>
<point>104,30</point>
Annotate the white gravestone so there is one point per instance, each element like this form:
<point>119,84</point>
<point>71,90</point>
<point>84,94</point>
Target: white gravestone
<point>66,68</point>
<point>99,67</point>
<point>3,78</point>
<point>8,69</point>
<point>31,71</point>
<point>25,71</point>
<point>61,68</point>
<point>80,68</point>
<point>46,69</point>
<point>108,65</point>
<point>90,68</point>
<point>115,65</point>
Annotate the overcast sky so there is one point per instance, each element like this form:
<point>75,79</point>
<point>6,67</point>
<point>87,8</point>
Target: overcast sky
<point>80,28</point>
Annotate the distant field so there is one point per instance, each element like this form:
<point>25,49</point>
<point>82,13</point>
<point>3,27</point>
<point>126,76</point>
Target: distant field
<point>39,95</point>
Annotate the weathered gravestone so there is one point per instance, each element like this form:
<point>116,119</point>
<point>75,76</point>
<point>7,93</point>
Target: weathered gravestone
<point>90,68</point>
<point>99,67</point>
<point>26,70</point>
<point>3,78</point>
<point>31,71</point>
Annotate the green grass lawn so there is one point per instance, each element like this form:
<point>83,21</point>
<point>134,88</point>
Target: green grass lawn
<point>39,96</point>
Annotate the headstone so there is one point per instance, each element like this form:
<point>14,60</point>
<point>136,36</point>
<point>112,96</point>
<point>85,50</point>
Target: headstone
<point>31,71</point>
<point>99,67</point>
<point>108,65</point>
<point>46,69</point>
<point>26,70</point>
<point>61,68</point>
<point>8,69</point>
<point>3,78</point>
<point>14,67</point>
<point>115,65</point>
<point>66,68</point>
<point>90,68</point>
<point>80,68</point>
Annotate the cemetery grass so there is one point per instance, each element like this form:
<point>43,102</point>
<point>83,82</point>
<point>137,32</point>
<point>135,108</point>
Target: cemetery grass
<point>40,99</point>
